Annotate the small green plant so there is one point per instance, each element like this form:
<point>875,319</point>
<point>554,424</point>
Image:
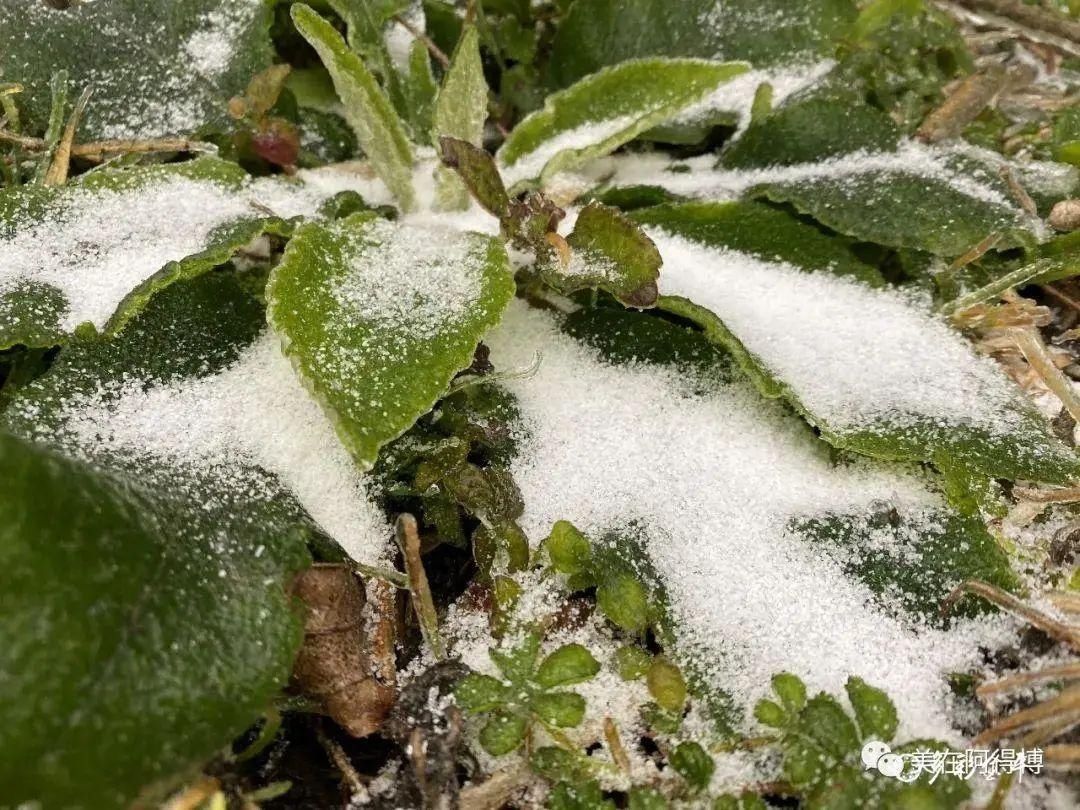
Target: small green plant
<point>821,745</point>
<point>529,691</point>
<point>620,595</point>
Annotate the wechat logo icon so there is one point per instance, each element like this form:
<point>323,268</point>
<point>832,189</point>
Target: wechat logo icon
<point>878,756</point>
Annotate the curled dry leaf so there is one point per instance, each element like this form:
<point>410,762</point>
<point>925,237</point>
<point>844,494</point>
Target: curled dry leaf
<point>347,661</point>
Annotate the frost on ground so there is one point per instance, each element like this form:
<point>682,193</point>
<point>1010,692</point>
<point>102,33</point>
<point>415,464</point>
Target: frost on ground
<point>711,476</point>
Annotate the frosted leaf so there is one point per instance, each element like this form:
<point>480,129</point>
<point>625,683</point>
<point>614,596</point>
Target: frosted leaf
<point>870,367</point>
<point>163,67</point>
<point>94,251</point>
<point>602,112</point>
<point>379,317</point>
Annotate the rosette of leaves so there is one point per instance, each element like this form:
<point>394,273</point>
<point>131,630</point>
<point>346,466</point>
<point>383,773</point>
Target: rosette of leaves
<point>530,690</point>
<point>821,746</point>
<point>620,593</point>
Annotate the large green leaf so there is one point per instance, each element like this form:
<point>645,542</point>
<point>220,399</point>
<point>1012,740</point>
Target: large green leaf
<point>460,111</point>
<point>598,33</point>
<point>156,67</point>
<point>144,597</point>
<point>96,250</point>
<point>602,112</point>
<point>379,317</point>
<point>760,230</point>
<point>378,128</point>
<point>841,353</point>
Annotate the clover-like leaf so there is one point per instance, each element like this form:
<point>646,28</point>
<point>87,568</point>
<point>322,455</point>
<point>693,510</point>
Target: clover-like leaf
<point>874,711</point>
<point>568,548</point>
<point>503,733</point>
<point>693,763</point>
<point>791,691</point>
<point>562,709</point>
<point>518,663</point>
<point>379,317</point>
<point>569,664</point>
<point>666,685</point>
<point>378,128</point>
<point>602,112</point>
<point>156,67</point>
<point>624,600</point>
<point>480,693</point>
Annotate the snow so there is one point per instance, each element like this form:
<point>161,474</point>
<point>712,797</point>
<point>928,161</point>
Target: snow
<point>737,95</point>
<point>712,476</point>
<point>701,179</point>
<point>857,358</point>
<point>530,165</point>
<point>409,278</point>
<point>253,413</point>
<point>97,245</point>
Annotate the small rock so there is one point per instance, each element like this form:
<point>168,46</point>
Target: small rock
<point>1065,216</point>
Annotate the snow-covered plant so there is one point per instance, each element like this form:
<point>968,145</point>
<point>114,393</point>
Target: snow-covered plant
<point>523,385</point>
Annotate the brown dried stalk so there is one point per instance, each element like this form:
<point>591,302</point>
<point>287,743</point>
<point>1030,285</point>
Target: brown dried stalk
<point>61,160</point>
<point>1006,601</point>
<point>429,43</point>
<point>963,105</point>
<point>409,539</point>
<point>497,790</point>
<point>347,657</point>
<point>615,745</point>
<point>1032,16</point>
<point>1035,353</point>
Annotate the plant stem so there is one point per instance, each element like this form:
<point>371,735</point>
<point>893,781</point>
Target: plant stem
<point>409,539</point>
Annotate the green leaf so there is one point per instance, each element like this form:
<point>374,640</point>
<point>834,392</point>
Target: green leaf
<point>96,250</point>
<point>874,712</point>
<point>610,252</point>
<point>827,724</point>
<point>421,92</point>
<point>378,128</point>
<point>632,662</point>
<point>597,33</point>
<point>791,691</point>
<point>518,663</point>
<point>579,796</point>
<point>759,230</point>
<point>644,798</point>
<point>379,317</point>
<point>503,733</point>
<point>480,693</point>
<point>571,663</point>
<point>1010,440</point>
<point>602,112</point>
<point>556,764</point>
<point>478,172</point>
<point>157,67</point>
<point>171,684</point>
<point>460,111</point>
<point>666,685</point>
<point>568,548</point>
<point>136,542</point>
<point>812,130</point>
<point>623,600</point>
<point>693,764</point>
<point>770,714</point>
<point>562,709</point>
